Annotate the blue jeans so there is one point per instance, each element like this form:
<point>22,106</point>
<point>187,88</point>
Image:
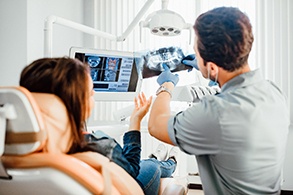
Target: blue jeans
<point>151,170</point>
<point>146,172</point>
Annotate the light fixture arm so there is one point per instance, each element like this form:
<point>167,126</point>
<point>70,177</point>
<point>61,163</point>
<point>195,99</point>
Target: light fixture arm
<point>165,4</point>
<point>48,29</point>
<point>64,22</point>
<point>135,20</point>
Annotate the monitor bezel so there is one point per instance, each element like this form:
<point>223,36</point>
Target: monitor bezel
<point>110,96</point>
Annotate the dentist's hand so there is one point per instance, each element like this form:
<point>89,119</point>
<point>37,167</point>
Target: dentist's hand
<point>190,60</point>
<point>167,76</point>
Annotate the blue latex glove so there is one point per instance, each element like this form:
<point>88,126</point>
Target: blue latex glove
<point>190,60</point>
<point>167,76</point>
<point>212,83</point>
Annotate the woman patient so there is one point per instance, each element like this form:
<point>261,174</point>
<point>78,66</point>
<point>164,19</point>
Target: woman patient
<point>70,80</point>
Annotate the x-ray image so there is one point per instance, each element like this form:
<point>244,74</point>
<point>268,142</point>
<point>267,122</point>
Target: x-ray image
<point>94,61</point>
<point>150,63</point>
<point>96,65</point>
<point>111,69</point>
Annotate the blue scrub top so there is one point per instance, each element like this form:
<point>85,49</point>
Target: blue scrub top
<point>238,136</point>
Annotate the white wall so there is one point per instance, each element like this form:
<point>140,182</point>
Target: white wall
<point>13,40</point>
<point>22,33</point>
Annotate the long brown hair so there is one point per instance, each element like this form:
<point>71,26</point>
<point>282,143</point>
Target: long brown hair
<point>66,78</point>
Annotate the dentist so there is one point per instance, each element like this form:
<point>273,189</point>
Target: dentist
<point>239,135</point>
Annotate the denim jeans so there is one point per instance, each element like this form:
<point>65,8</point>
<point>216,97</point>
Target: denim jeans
<point>146,172</point>
<point>151,170</point>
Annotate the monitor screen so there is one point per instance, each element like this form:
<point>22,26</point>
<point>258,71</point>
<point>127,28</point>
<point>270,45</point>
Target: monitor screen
<point>114,73</point>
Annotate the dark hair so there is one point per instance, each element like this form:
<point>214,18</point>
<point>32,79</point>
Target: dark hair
<point>224,37</point>
<point>65,78</point>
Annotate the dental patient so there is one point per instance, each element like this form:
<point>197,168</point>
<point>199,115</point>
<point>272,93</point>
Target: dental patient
<point>70,80</point>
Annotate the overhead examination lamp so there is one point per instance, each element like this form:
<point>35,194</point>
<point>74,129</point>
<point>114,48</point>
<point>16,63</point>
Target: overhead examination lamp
<point>163,22</point>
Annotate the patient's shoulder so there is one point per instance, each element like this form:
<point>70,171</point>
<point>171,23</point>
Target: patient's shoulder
<point>56,120</point>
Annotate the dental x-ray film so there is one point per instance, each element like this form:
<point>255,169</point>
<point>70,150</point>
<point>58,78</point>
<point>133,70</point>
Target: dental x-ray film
<point>150,63</point>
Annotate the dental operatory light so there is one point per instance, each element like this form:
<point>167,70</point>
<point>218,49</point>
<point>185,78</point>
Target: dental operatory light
<point>165,22</point>
<point>162,22</point>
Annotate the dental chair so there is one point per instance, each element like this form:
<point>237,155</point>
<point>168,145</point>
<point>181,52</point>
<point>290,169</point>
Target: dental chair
<point>33,160</point>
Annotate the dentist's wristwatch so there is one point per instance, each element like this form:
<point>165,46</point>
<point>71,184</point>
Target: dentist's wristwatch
<point>163,89</point>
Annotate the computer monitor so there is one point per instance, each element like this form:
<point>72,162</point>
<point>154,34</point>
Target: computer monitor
<point>114,73</point>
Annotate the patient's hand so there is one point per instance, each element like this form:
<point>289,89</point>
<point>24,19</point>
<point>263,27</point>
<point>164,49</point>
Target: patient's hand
<point>141,108</point>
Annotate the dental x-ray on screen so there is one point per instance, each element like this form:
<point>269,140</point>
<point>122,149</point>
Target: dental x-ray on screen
<point>150,63</point>
<point>114,73</point>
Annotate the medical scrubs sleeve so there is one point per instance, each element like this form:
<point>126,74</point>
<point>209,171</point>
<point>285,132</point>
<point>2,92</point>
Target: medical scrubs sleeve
<point>197,128</point>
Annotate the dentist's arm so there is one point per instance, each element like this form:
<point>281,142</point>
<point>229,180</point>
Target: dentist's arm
<point>160,111</point>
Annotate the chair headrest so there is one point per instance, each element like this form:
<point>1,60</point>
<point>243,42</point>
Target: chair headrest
<point>41,122</point>
<point>23,127</point>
